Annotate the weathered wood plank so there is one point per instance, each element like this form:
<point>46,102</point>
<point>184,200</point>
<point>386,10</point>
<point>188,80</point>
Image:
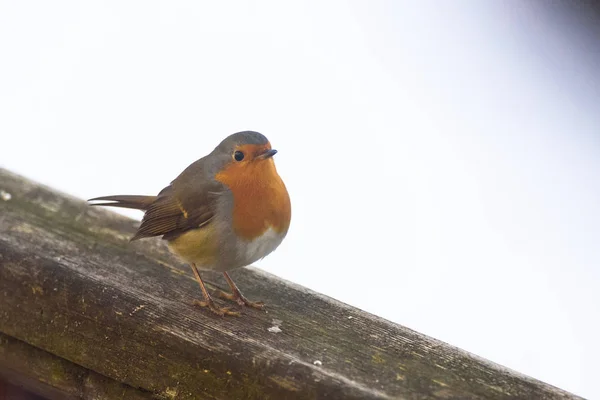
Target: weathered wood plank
<point>56,378</point>
<point>73,287</point>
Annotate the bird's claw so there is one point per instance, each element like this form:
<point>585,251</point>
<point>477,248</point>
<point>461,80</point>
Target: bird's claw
<point>241,300</point>
<point>220,311</point>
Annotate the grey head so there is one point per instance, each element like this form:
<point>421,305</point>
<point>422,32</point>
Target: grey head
<point>239,147</point>
<point>241,138</point>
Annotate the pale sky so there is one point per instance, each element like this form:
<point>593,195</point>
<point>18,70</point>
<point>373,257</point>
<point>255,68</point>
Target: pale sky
<point>443,158</point>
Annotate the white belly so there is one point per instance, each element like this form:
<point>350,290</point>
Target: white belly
<point>260,247</point>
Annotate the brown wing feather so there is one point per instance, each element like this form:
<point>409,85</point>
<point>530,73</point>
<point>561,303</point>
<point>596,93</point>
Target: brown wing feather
<point>186,204</point>
<point>167,217</point>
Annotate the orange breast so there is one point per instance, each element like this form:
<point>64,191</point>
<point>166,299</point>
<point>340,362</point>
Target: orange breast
<point>260,198</point>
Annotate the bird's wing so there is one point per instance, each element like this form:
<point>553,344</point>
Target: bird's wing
<point>178,208</point>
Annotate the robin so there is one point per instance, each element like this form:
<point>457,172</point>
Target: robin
<point>224,211</point>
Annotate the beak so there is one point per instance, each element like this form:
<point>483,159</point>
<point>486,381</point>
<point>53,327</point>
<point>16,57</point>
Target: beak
<point>267,154</point>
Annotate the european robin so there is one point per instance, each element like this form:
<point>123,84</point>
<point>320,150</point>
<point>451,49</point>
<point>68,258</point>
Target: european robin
<point>224,211</point>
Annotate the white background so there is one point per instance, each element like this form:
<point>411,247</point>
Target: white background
<point>442,157</point>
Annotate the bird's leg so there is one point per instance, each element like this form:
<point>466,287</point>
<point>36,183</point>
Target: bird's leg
<point>208,301</point>
<point>237,296</point>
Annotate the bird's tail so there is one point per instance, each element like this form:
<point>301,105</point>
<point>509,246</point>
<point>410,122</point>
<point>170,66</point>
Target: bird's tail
<point>125,201</point>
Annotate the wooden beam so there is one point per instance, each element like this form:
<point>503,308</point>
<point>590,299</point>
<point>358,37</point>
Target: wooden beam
<point>84,313</point>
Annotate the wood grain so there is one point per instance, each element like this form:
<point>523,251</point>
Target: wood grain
<point>87,312</point>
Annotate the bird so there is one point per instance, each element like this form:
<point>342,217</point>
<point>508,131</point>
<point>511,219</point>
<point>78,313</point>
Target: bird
<point>225,211</point>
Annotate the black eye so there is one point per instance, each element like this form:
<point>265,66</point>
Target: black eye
<point>238,156</point>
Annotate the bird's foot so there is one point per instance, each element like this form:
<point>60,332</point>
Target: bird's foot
<point>220,311</point>
<point>240,299</point>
